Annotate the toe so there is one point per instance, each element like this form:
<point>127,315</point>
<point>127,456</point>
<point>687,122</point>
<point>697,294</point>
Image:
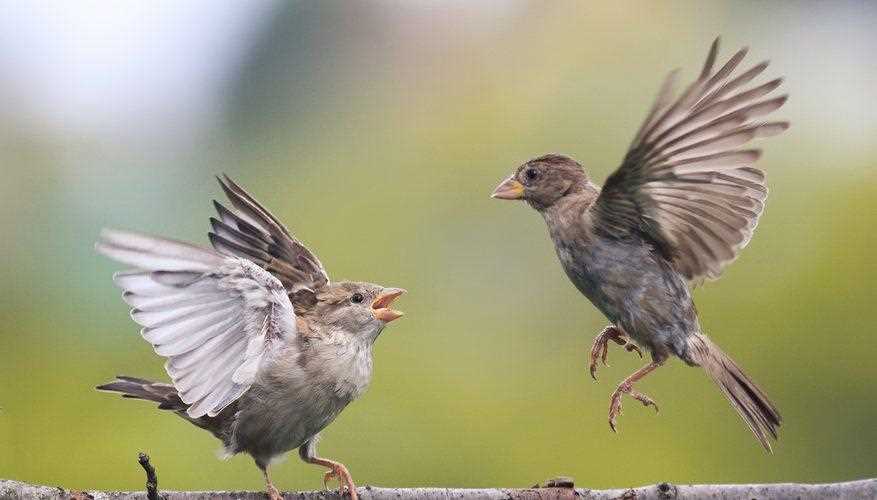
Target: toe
<point>612,418</point>
<point>328,476</point>
<point>274,494</point>
<point>595,354</point>
<point>614,410</point>
<point>631,347</point>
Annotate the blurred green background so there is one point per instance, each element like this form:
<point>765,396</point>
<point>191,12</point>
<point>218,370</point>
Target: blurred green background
<point>376,131</point>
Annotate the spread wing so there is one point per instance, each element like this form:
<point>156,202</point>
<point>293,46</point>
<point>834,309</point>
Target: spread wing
<point>250,231</point>
<point>685,181</point>
<point>213,317</point>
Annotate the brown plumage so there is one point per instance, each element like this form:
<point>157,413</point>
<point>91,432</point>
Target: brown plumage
<point>262,349</point>
<point>745,396</point>
<point>684,202</point>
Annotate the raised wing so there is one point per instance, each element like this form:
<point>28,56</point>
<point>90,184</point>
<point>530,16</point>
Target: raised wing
<point>212,316</point>
<point>684,181</point>
<point>251,232</point>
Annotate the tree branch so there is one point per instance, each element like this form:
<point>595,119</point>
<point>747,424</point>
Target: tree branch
<point>853,490</point>
<point>151,477</point>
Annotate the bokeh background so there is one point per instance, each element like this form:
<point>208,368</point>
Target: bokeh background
<point>376,131</point>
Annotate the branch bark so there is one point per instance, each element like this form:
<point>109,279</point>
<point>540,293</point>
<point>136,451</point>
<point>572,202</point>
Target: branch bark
<point>151,477</point>
<point>853,490</point>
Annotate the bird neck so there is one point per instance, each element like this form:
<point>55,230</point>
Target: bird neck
<point>569,207</point>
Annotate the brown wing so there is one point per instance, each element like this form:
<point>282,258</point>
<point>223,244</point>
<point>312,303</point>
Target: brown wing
<point>684,180</point>
<point>250,231</point>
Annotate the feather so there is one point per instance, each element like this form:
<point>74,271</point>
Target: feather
<point>252,232</point>
<point>684,181</point>
<point>207,313</point>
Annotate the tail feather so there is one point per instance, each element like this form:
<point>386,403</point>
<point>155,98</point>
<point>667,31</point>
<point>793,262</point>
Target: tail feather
<point>168,398</point>
<point>751,403</point>
<point>137,388</point>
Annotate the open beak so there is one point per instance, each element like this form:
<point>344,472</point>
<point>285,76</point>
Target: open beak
<point>510,189</point>
<point>381,305</point>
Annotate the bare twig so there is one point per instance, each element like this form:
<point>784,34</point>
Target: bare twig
<point>151,478</point>
<point>854,490</point>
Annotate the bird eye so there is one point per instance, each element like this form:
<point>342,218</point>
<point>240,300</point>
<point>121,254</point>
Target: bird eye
<point>357,298</point>
<point>531,174</point>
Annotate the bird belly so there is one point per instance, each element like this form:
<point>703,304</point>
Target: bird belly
<point>274,422</point>
<point>292,402</point>
<point>636,289</point>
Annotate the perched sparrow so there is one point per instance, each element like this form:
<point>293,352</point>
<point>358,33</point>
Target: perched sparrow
<point>682,205</point>
<point>263,351</point>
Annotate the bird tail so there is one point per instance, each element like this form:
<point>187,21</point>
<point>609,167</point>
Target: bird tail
<point>751,403</point>
<point>137,388</point>
<point>168,398</point>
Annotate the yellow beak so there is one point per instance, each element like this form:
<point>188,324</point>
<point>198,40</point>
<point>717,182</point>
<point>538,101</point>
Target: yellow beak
<point>380,306</point>
<point>510,189</point>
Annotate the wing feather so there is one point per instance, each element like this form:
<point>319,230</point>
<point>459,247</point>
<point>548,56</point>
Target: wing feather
<point>251,232</point>
<point>686,175</point>
<point>213,316</point>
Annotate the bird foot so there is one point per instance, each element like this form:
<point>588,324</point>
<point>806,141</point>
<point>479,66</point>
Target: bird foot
<point>600,349</point>
<point>340,473</point>
<point>615,402</point>
<point>274,493</point>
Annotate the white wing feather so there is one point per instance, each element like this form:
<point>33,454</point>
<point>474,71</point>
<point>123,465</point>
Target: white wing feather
<point>214,317</point>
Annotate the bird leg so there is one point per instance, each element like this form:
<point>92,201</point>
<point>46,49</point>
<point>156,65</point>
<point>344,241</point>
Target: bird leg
<point>338,471</point>
<point>601,346</point>
<point>626,387</point>
<point>273,492</point>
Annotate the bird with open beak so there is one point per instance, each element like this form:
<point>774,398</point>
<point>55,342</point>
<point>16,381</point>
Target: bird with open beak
<point>684,202</point>
<point>263,351</point>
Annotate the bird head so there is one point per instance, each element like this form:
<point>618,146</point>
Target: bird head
<point>542,181</point>
<point>354,309</point>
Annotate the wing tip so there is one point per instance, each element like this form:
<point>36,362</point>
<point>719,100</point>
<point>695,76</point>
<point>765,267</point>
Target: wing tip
<point>710,58</point>
<point>111,236</point>
<point>212,237</point>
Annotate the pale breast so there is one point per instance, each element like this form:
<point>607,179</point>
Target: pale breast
<point>298,396</point>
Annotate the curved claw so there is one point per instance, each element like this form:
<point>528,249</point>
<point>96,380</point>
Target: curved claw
<point>328,476</point>
<point>345,482</point>
<point>626,387</point>
<point>645,400</point>
<point>614,409</point>
<point>600,348</point>
<point>631,347</point>
<point>274,493</point>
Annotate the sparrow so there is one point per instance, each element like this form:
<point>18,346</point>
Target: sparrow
<point>263,351</point>
<point>684,202</point>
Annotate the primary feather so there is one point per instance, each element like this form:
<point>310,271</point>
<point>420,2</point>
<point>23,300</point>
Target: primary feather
<point>684,182</point>
<point>251,232</point>
<point>212,316</point>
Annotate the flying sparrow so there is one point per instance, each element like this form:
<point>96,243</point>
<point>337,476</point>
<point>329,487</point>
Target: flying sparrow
<point>262,350</point>
<point>684,202</point>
